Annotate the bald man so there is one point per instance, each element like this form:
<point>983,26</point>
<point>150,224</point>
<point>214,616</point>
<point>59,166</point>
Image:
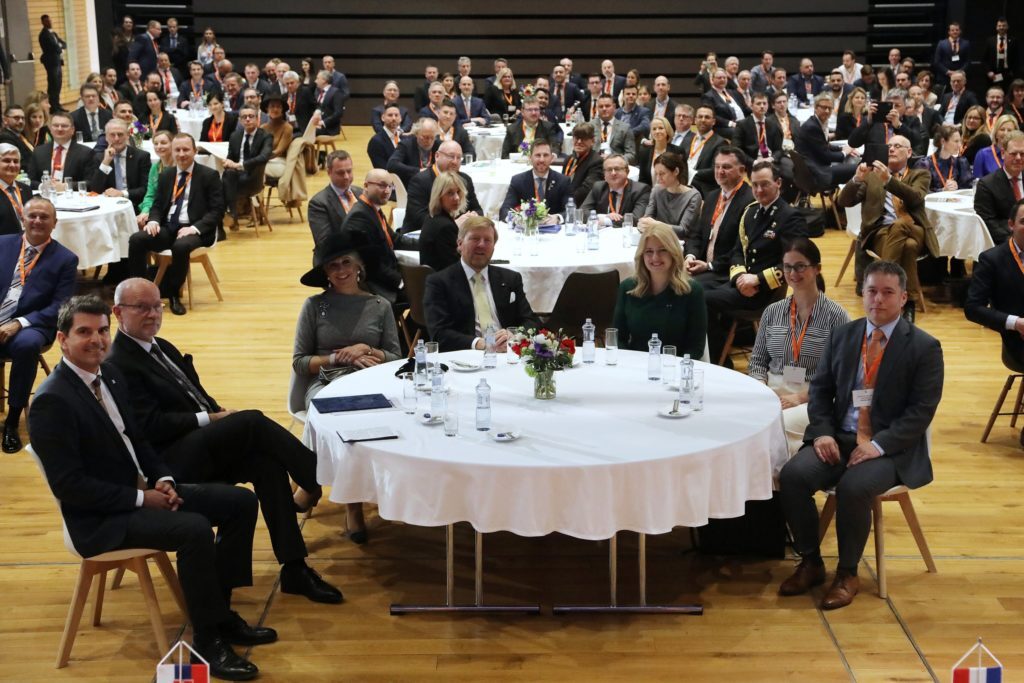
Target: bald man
<point>415,152</point>
<point>367,217</point>
<point>448,158</point>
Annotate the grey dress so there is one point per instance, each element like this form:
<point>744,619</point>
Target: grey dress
<point>678,210</point>
<point>330,321</point>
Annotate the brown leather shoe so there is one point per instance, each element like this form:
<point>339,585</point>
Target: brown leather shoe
<point>841,594</point>
<point>806,577</point>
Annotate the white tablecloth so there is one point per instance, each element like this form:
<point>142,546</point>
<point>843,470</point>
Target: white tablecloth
<point>596,460</point>
<point>960,232</point>
<point>558,257</point>
<point>218,152</point>
<point>491,180</point>
<point>190,122</point>
<point>99,236</point>
<point>488,141</point>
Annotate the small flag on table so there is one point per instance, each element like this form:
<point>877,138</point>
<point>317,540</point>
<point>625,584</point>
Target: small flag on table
<point>180,672</point>
<point>981,673</point>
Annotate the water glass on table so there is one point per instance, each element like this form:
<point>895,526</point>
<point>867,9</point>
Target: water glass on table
<point>451,416</point>
<point>611,346</point>
<point>467,159</point>
<point>669,366</point>
<point>409,392</point>
<point>698,389</point>
<point>83,189</point>
<point>433,360</point>
<point>511,357</point>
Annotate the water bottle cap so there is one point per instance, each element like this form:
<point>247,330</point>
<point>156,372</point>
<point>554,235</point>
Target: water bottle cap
<point>588,321</point>
<point>654,335</point>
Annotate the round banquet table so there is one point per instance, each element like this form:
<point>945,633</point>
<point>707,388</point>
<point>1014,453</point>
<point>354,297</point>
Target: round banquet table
<point>190,122</point>
<point>558,257</point>
<point>491,179</point>
<point>959,230</point>
<point>209,154</point>
<point>99,236</point>
<point>596,460</point>
<point>488,141</point>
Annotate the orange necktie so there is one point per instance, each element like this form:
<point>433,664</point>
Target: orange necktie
<point>875,346</point>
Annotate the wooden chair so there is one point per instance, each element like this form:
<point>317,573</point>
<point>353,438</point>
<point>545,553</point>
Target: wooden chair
<point>900,494</point>
<point>1016,372</point>
<point>753,318</point>
<point>201,256</point>
<point>271,183</point>
<point>807,185</point>
<point>3,375</point>
<point>327,143</point>
<point>415,279</point>
<point>132,559</point>
<point>585,295</point>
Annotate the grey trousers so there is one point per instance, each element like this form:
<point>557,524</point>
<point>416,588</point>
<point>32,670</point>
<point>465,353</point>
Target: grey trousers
<point>856,488</point>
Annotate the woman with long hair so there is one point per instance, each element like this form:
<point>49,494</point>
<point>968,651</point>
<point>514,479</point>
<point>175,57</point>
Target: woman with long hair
<point>990,158</point>
<point>672,200</point>
<point>853,113</point>
<point>948,169</point>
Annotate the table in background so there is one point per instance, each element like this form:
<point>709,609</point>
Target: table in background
<point>488,141</point>
<point>558,257</point>
<point>99,236</point>
<point>217,153</point>
<point>190,122</point>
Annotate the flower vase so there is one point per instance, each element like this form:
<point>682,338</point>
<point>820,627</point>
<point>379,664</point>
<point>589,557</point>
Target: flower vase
<point>531,235</point>
<point>544,388</point>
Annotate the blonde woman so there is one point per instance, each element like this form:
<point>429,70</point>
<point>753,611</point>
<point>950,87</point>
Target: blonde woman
<point>37,126</point>
<point>503,97</point>
<point>990,158</point>
<point>661,298</point>
<point>853,113</point>
<point>661,133</point>
<point>447,210</point>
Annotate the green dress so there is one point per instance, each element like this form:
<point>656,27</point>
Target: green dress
<point>680,321</point>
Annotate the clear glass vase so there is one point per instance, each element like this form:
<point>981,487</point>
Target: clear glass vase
<point>544,387</point>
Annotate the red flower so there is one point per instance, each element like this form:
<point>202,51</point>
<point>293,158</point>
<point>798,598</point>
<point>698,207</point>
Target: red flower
<point>544,331</point>
<point>569,345</point>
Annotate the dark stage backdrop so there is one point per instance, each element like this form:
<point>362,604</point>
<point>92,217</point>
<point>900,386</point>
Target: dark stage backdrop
<point>667,37</point>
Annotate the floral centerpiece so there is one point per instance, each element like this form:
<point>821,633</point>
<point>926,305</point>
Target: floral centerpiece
<point>543,352</point>
<point>530,214</point>
<point>137,133</point>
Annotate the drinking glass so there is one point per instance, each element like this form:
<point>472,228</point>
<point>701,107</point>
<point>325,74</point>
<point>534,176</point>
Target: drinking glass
<point>698,389</point>
<point>611,346</point>
<point>669,371</point>
<point>627,221</point>
<point>83,189</point>
<point>467,159</point>
<point>408,392</point>
<point>581,218</point>
<point>510,356</point>
<point>69,188</point>
<point>433,362</point>
<point>451,422</point>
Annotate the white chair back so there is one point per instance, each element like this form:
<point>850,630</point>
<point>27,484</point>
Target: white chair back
<point>401,195</point>
<point>67,537</point>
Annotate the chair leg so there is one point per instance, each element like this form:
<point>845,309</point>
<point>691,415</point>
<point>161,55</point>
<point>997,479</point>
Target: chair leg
<point>161,269</point>
<point>97,609</point>
<point>1018,404</point>
<point>118,577</point>
<point>846,263</point>
<point>78,598</point>
<point>298,207</point>
<point>1007,385</point>
<point>727,347</point>
<point>880,548</point>
<point>152,606</point>
<point>828,511</point>
<point>212,275</point>
<point>915,528</point>
<point>265,210</point>
<point>44,365</point>
<point>163,563</point>
<point>188,283</point>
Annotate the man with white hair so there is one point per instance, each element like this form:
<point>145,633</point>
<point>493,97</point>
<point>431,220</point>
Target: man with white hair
<point>15,194</point>
<point>120,170</point>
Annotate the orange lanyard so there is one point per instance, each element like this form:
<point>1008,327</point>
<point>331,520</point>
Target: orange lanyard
<point>797,342</point>
<point>761,127</point>
<point>888,132</point>
<point>180,187</point>
<point>720,204</point>
<point>526,136</point>
<point>991,118</point>
<point>616,208</point>
<point>153,126</point>
<point>380,217</point>
<point>572,163</point>
<point>1016,256</point>
<point>26,270</point>
<point>938,171</point>
<point>291,103</point>
<point>857,120</point>
<point>508,98</point>
<point>16,201</point>
<point>997,156</point>
<point>870,373</point>
<point>216,131</point>
<point>784,122</point>
<point>197,90</point>
<point>693,152</point>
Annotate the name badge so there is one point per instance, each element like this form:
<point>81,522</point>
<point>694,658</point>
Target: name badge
<point>955,58</point>
<point>792,374</point>
<point>862,398</point>
<point>291,118</point>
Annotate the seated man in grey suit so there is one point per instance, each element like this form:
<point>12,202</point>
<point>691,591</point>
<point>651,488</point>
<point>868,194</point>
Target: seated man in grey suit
<point>467,297</point>
<point>328,207</point>
<point>859,443</point>
<point>615,135</point>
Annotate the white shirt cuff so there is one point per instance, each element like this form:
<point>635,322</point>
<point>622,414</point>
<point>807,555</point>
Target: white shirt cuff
<point>139,497</point>
<point>475,340</point>
<point>881,451</point>
<point>106,169</point>
<point>203,418</point>
<point>1011,322</point>
<point>24,322</point>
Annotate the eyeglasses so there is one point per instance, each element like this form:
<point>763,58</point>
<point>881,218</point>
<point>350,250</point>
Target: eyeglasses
<point>797,268</point>
<point>145,308</point>
<point>377,182</point>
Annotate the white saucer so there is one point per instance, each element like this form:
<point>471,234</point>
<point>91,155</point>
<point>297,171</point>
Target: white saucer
<point>503,436</point>
<point>462,366</point>
<point>682,412</point>
<point>428,419</point>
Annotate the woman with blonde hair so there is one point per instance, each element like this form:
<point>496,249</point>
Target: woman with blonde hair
<point>660,134</point>
<point>850,118</point>
<point>440,231</point>
<point>503,97</point>
<point>990,158</point>
<point>661,298</point>
<point>37,126</point>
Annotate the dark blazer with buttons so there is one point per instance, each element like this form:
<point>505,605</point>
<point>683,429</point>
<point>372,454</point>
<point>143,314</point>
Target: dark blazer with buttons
<point>704,178</point>
<point>724,113</point>
<point>797,85</point>
<point>873,132</point>
<point>907,392</point>
<point>993,200</point>
<point>143,51</point>
<point>378,125</point>
<point>996,292</point>
<point>521,189</point>
<point>477,109</point>
<point>326,213</point>
<point>728,230</point>
<point>546,130</point>
<point>814,147</point>
<point>10,224</point>
<point>47,287</point>
<point>617,85</point>
<point>81,120</point>
<point>462,137</point>
<point>966,101</point>
<point>136,166</point>
<point>943,61</point>
<point>10,137</point>
<point>586,173</point>
<point>745,137</point>
<point>331,109</point>
<point>451,316</point>
<point>758,247</point>
<point>557,106</point>
<point>634,201</point>
<point>205,201</point>
<point>261,147</point>
<point>418,198</point>
<point>384,277</point>
<point>78,161</point>
<point>644,161</point>
<point>405,160</point>
<point>380,148</point>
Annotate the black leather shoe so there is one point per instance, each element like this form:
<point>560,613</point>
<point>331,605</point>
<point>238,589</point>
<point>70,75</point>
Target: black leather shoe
<point>177,308</point>
<point>12,442</point>
<point>224,662</point>
<point>304,580</point>
<point>237,632</point>
<point>221,235</point>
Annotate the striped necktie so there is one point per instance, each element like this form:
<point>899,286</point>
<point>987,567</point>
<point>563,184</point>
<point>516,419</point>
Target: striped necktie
<point>10,304</point>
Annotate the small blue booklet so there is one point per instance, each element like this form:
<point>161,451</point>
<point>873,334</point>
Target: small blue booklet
<point>341,404</point>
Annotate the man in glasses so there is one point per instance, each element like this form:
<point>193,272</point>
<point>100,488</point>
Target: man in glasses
<point>249,151</point>
<point>880,130</point>
<point>893,221</point>
<point>366,216</point>
<point>448,158</point>
<point>529,129</point>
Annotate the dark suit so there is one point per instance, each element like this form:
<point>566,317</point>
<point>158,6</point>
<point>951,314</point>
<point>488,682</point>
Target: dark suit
<point>584,174</point>
<point>460,136</point>
<point>875,132</point>
<point>587,102</point>
<point>1006,69</point>
<point>227,128</point>
<point>136,176</point>
<point>380,148</point>
<point>704,179</point>
<point>746,138</point>
<point>247,182</point>
<point>81,120</point>
<point>439,242</point>
<point>378,125</point>
<point>945,60</point>
<point>144,52</point>
<point>557,106</point>
<point>12,138</point>
<point>242,447</point>
<point>385,278</point>
<point>477,109</point>
<point>724,113</point>
<point>185,91</point>
<point>332,107</point>
<point>670,108</point>
<point>966,101</point>
<point>521,188</point>
<point>47,287</point>
<point>451,316</point>
<point>907,390</point>
<point>205,212</point>
<point>725,240</point>
<point>993,200</point>
<point>633,200</point>
<point>326,214</point>
<point>418,192</point>
<point>419,96</point>
<point>77,162</point>
<point>494,98</point>
<point>52,58</point>
<point>91,473</point>
<point>997,292</point>
<point>825,161</point>
<point>617,85</point>
<point>405,161</point>
<point>179,52</point>
<point>10,221</point>
<point>797,85</point>
<point>794,126</point>
<point>546,130</point>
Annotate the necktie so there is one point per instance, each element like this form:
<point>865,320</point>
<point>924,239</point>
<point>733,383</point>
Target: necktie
<point>874,348</point>
<point>246,148</point>
<point>608,86</point>
<point>396,138</point>
<point>615,200</point>
<point>174,42</point>
<point>1015,182</point>
<point>10,304</point>
<point>320,97</point>
<point>94,124</point>
<point>762,143</point>
<point>118,174</point>
<point>483,307</point>
<point>179,193</point>
<point>604,132</point>
<point>593,110</point>
<point>167,81</point>
<point>180,377</point>
<point>538,184</point>
<point>96,385</point>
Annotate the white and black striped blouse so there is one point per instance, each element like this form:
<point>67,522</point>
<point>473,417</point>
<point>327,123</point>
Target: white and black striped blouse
<point>773,348</point>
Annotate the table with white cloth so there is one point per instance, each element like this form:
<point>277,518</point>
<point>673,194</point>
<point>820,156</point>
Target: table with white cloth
<point>596,460</point>
<point>491,179</point>
<point>209,154</point>
<point>488,141</point>
<point>98,236</point>
<point>189,121</point>
<point>558,256</point>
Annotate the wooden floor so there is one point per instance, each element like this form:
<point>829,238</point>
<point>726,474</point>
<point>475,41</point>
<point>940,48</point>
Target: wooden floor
<point>971,513</point>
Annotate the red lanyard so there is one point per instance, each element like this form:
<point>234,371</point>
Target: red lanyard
<point>870,373</point>
<point>797,342</point>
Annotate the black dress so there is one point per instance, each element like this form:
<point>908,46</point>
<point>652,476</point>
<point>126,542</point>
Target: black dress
<point>438,238</point>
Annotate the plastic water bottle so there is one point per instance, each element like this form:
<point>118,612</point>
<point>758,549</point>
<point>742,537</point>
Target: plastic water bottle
<point>46,186</point>
<point>589,329</point>
<point>420,370</point>
<point>483,406</point>
<point>490,350</point>
<point>438,396</point>
<point>654,358</point>
<point>793,103</point>
<point>570,217</point>
<point>593,236</point>
<point>686,381</point>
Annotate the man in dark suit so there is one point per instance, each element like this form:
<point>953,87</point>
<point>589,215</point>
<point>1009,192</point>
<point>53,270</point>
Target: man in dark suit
<point>176,45</point>
<point>62,158</point>
<point>90,118</point>
<point>826,161</point>
<point>632,114</point>
<point>662,104</point>
<point>120,170</point>
<point>583,167</point>
<point>953,53</point>
<point>778,84</point>
<point>579,79</point>
<point>955,103</point>
<point>196,86</point>
<point>14,195</point>
<point>38,276</point>
<point>449,158</point>
<point>709,247</point>
<point>249,151</point>
<point>115,492</point>
<point>588,99</point>
<point>13,133</point>
<point>133,85</point>
<point>386,140</point>
<point>391,95</point>
<point>338,79</point>
<point>330,104</point>
<point>366,217</point>
<point>146,47</point>
<point>328,207</point>
<point>927,119</point>
<point>435,95</point>
<point>531,129</point>
<point>878,131</point>
<point>185,215</point>
<point>1002,55</point>
<point>201,441</point>
<point>467,297</point>
<point>450,130</point>
<point>617,196</point>
<point>757,135</point>
<point>996,194</point>
<point>755,263</point>
<point>51,56</point>
<point>611,84</point>
<point>805,85</point>
<point>415,152</point>
<point>540,183</point>
<point>252,79</point>
<point>565,96</point>
<point>728,111</point>
<point>169,75</point>
<point>419,96</point>
<point>469,107</point>
<point>851,430</point>
<point>699,147</point>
